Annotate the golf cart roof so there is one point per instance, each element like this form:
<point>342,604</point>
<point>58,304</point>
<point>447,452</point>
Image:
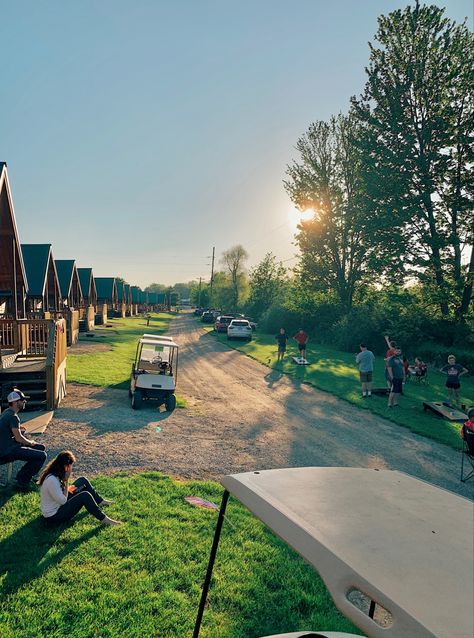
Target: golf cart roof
<point>156,342</point>
<point>157,337</point>
<point>404,543</point>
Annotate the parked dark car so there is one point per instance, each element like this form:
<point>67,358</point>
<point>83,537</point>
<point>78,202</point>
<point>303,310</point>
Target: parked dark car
<point>222,322</point>
<point>198,312</point>
<point>208,317</point>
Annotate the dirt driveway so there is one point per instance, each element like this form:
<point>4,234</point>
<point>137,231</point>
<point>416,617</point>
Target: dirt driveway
<point>240,416</point>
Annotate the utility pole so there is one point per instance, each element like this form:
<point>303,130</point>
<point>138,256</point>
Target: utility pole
<point>199,293</point>
<point>212,274</point>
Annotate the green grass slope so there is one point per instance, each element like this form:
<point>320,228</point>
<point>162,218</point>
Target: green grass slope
<point>144,578</point>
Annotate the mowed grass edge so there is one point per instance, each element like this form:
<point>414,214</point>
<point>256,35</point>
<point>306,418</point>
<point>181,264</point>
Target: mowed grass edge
<point>335,372</point>
<point>144,578</point>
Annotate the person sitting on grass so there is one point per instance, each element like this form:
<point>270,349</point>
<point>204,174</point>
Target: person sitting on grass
<point>454,371</point>
<point>469,424</point>
<point>419,367</point>
<point>60,502</point>
<point>15,446</point>
<point>282,339</point>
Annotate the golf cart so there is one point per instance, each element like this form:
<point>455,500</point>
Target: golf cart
<point>395,552</point>
<point>154,372</point>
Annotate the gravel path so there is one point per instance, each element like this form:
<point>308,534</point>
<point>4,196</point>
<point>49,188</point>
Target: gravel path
<point>240,416</point>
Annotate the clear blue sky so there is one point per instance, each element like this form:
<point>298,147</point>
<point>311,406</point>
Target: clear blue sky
<point>140,134</point>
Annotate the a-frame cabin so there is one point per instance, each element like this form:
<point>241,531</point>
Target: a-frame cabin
<point>128,300</point>
<point>89,295</point>
<point>13,280</point>
<point>121,298</point>
<point>44,296</point>
<point>107,291</point>
<point>71,295</point>
<point>32,351</point>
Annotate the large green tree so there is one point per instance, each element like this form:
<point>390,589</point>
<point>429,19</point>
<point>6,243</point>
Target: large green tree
<point>335,245</point>
<point>266,281</point>
<point>234,260</point>
<point>417,116</point>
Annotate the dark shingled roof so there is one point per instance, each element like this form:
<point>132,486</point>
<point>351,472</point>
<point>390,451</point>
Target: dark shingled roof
<point>36,259</point>
<point>85,280</point>
<point>160,298</point>
<point>121,292</point>
<point>65,268</point>
<point>104,287</point>
<point>135,294</point>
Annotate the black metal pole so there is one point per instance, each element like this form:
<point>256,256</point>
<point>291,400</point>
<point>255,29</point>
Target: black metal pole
<point>372,609</point>
<point>212,557</point>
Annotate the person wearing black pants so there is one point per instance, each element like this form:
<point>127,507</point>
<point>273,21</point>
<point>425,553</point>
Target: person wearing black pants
<point>15,446</point>
<point>60,502</point>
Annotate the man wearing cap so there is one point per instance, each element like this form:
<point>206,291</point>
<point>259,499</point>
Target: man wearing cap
<point>14,446</point>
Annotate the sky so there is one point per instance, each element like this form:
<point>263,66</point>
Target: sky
<point>140,135</point>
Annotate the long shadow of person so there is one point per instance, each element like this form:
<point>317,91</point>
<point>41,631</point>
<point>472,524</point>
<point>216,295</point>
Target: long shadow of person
<point>273,377</point>
<point>31,550</point>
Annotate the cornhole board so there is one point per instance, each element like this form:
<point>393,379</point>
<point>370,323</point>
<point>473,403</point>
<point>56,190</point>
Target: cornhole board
<point>384,392</point>
<point>445,410</point>
<point>300,361</point>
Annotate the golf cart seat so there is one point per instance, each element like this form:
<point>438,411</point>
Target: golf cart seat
<point>467,453</point>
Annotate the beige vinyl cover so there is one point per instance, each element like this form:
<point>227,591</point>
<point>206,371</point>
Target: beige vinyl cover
<point>406,544</point>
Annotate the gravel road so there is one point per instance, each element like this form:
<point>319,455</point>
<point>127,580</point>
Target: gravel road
<point>240,416</point>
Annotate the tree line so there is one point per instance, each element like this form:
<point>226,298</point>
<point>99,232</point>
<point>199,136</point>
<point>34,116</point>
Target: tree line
<point>391,184</point>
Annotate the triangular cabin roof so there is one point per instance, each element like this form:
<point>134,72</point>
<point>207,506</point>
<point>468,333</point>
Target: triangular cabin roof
<point>65,269</point>
<point>9,231</point>
<point>135,294</point>
<point>86,279</point>
<point>128,294</point>
<point>151,298</point>
<point>160,298</point>
<point>121,292</point>
<point>106,287</point>
<point>37,258</point>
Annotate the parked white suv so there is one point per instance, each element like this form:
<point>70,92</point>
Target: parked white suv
<point>239,329</point>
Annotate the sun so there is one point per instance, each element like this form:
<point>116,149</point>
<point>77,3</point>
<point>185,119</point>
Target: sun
<point>295,216</point>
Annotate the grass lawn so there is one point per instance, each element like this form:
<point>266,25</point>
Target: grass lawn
<point>144,578</point>
<point>336,372</point>
<point>112,368</point>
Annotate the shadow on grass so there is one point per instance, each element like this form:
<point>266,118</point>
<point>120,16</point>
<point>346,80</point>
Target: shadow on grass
<point>24,554</point>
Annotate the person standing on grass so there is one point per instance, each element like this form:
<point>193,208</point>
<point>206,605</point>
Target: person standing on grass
<point>454,371</point>
<point>396,375</point>
<point>15,446</point>
<point>60,502</point>
<point>282,339</point>
<point>365,360</point>
<point>301,339</point>
<point>390,352</point>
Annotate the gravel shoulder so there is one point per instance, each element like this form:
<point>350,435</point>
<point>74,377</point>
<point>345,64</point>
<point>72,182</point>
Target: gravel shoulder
<point>240,416</point>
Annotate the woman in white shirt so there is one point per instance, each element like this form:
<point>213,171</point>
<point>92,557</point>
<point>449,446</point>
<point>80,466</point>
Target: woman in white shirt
<point>61,501</point>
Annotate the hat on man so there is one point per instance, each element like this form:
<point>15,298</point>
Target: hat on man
<point>16,395</point>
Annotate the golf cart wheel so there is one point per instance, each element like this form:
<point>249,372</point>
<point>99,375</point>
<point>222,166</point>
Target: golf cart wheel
<point>170,403</point>
<point>137,400</point>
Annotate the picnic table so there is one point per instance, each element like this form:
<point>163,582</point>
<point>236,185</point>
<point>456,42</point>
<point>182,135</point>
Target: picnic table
<point>403,543</point>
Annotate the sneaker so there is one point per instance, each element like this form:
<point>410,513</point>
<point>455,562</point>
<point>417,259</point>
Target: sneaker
<point>110,521</point>
<point>105,502</point>
<point>369,396</point>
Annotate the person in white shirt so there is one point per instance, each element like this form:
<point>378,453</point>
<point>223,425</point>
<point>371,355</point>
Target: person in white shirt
<point>60,501</point>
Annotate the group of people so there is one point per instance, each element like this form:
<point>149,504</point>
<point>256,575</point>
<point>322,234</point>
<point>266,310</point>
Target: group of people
<point>300,337</point>
<point>61,498</point>
<point>398,368</point>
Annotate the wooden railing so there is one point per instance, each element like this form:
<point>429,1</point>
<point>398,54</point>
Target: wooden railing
<point>27,337</point>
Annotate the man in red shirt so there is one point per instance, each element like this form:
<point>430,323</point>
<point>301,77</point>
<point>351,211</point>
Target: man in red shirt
<point>390,353</point>
<point>301,339</point>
